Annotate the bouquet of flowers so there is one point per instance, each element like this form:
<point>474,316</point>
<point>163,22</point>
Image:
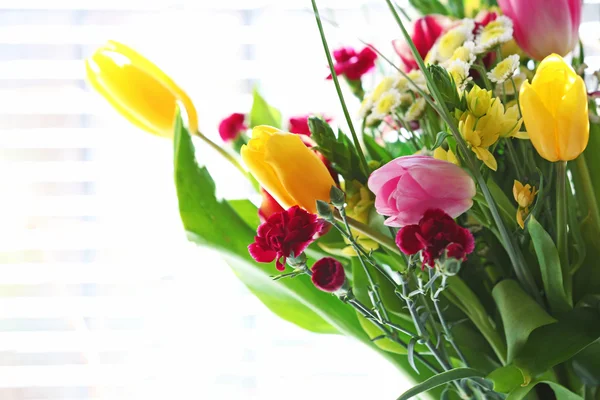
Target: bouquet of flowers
<point>452,224</point>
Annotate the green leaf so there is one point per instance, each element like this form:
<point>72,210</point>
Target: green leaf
<point>262,113</point>
<point>214,223</point>
<point>457,8</point>
<point>552,275</point>
<point>440,379</point>
<point>429,7</point>
<point>411,354</point>
<point>506,378</point>
<point>375,151</point>
<point>520,314</point>
<point>586,364</point>
<point>505,205</point>
<point>560,391</point>
<point>439,139</point>
<point>446,86</point>
<point>553,344</point>
<point>247,211</point>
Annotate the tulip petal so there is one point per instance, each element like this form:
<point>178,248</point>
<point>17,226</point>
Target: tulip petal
<point>304,177</point>
<point>573,126</point>
<point>539,123</point>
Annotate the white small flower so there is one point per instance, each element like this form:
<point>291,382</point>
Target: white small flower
<point>465,53</point>
<point>365,107</point>
<point>386,84</point>
<point>373,120</point>
<point>417,77</point>
<point>415,111</point>
<point>401,83</point>
<point>453,39</point>
<point>504,69</point>
<point>496,32</point>
<point>459,71</point>
<point>406,99</point>
<point>386,104</point>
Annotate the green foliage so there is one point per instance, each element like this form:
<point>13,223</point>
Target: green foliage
<point>439,139</point>
<point>520,314</point>
<point>456,8</point>
<point>447,88</point>
<point>586,364</point>
<point>262,113</point>
<point>375,151</point>
<point>553,344</point>
<point>507,209</point>
<point>506,378</point>
<point>429,7</point>
<point>552,274</point>
<point>560,391</point>
<point>440,379</point>
<point>338,150</point>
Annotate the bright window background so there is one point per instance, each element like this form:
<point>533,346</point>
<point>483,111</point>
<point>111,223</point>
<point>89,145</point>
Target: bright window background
<point>101,296</point>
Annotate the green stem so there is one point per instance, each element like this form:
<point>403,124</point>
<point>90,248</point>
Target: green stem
<point>521,271</point>
<point>229,157</point>
<point>365,229</point>
<point>483,72</point>
<point>338,88</point>
<point>514,85</point>
<point>588,190</point>
<point>561,214</point>
<point>510,149</point>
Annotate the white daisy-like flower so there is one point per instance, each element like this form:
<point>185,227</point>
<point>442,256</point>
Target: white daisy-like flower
<point>416,75</point>
<point>386,103</point>
<point>373,120</point>
<point>465,53</point>
<point>453,39</point>
<point>386,84</point>
<point>496,32</point>
<point>406,99</point>
<point>459,71</point>
<point>508,88</point>
<point>401,83</point>
<point>365,107</point>
<point>504,69</point>
<point>416,110</point>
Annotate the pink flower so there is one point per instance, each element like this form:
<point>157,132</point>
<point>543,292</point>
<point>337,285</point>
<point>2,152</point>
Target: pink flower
<point>328,275</point>
<point>284,234</point>
<point>408,186</point>
<point>543,27</point>
<point>426,31</point>
<point>299,124</point>
<point>353,65</point>
<point>436,232</point>
<point>231,127</point>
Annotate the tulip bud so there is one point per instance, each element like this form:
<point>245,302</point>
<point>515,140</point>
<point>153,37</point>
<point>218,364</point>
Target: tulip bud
<point>291,172</point>
<point>138,89</point>
<point>328,275</point>
<point>543,27</point>
<point>555,110</point>
<point>268,206</point>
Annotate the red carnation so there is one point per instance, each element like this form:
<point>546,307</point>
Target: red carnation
<point>436,232</point>
<point>426,31</point>
<point>299,124</point>
<point>285,234</point>
<point>231,127</point>
<point>353,65</point>
<point>328,274</point>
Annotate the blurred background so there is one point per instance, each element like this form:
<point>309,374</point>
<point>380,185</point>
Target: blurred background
<point>101,296</point>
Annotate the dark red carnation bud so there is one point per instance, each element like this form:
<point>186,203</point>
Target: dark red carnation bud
<point>231,127</point>
<point>284,234</point>
<point>328,275</point>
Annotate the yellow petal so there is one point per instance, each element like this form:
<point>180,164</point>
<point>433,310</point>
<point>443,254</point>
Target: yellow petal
<point>488,158</point>
<point>520,220</point>
<point>304,177</point>
<point>517,188</point>
<point>573,126</point>
<point>551,80</point>
<point>539,123</point>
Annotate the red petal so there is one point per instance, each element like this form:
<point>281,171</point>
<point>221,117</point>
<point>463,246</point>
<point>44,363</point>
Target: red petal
<point>328,274</point>
<point>260,254</point>
<point>456,251</point>
<point>408,241</point>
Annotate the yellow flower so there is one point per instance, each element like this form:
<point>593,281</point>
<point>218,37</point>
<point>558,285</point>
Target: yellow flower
<point>138,89</point>
<point>480,134</point>
<point>444,155</point>
<point>511,47</point>
<point>496,32</point>
<point>555,110</point>
<point>479,101</point>
<point>453,39</point>
<point>504,69</point>
<point>360,202</point>
<point>386,84</point>
<point>386,103</point>
<point>417,77</point>
<point>524,196</point>
<point>286,168</point>
<point>465,53</point>
<point>416,110</point>
<point>459,71</point>
<point>508,122</point>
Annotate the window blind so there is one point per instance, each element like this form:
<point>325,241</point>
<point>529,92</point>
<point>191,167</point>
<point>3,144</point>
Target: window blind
<point>101,296</point>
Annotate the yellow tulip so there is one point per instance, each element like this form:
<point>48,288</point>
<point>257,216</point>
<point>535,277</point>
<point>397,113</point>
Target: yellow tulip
<point>286,168</point>
<point>138,89</point>
<point>555,110</point>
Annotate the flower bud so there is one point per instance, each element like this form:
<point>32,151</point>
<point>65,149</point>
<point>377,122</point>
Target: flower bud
<point>138,89</point>
<point>328,275</point>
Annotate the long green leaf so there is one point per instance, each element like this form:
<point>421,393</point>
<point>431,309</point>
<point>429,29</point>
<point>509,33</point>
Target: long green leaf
<point>440,379</point>
<point>376,152</point>
<point>561,392</point>
<point>520,314</point>
<point>262,113</point>
<point>553,344</point>
<point>552,274</point>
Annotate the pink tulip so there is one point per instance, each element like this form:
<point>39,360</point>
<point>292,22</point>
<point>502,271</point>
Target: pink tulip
<point>426,31</point>
<point>543,27</point>
<point>408,186</point>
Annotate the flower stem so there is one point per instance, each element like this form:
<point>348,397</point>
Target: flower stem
<point>588,190</point>
<point>510,149</point>
<point>483,72</point>
<point>561,214</point>
<point>514,85</point>
<point>361,156</point>
<point>366,230</point>
<point>521,271</point>
<point>229,157</point>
